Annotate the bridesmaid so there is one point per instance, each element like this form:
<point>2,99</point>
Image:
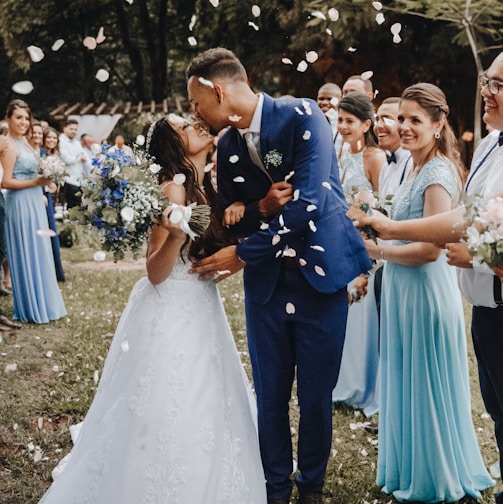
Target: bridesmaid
<point>37,297</point>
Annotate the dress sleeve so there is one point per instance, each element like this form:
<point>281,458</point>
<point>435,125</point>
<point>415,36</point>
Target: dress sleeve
<point>440,172</point>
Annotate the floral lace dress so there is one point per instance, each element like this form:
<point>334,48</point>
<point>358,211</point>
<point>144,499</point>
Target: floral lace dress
<point>173,419</point>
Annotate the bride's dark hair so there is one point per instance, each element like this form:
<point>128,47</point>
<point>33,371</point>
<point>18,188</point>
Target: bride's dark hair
<point>165,145</point>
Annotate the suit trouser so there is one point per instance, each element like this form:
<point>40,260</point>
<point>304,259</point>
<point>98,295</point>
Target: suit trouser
<point>309,341</point>
<point>487,334</point>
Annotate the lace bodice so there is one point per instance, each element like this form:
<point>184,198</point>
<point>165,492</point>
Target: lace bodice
<point>352,172</point>
<point>26,166</point>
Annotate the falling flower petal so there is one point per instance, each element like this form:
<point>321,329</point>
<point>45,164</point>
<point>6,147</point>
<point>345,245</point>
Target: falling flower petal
<point>380,18</point>
<point>253,25</point>
<point>297,109</point>
<point>287,61</point>
<point>289,252</point>
<point>367,75</point>
<point>296,194</point>
<point>209,167</point>
<point>125,346</point>
<point>214,3</point>
<point>290,308</point>
<point>333,14</point>
<point>179,179</point>
<point>312,226</point>
<point>234,118</point>
<point>36,54</point>
<point>192,41</point>
<point>364,452</point>
<point>328,31</point>
<point>334,101</point>
<point>234,159</point>
<point>99,256</point>
<point>46,232</point>
<point>23,87</point>
<point>307,106</point>
<point>319,248</point>
<point>264,225</point>
<point>319,15</point>
<point>326,185</point>
<point>289,176</point>
<point>90,43</point>
<point>206,82</point>
<point>319,270</point>
<point>351,49</point>
<point>102,75</point>
<point>37,456</point>
<point>377,5</point>
<point>311,56</point>
<point>302,262</point>
<point>397,39</point>
<point>238,179</point>
<point>95,148</point>
<point>275,239</point>
<point>57,45</point>
<point>192,22</point>
<point>306,135</point>
<point>255,10</point>
<point>281,220</point>
<point>302,66</point>
<point>9,368</point>
<point>388,121</point>
<point>396,28</point>
<point>278,253</point>
<point>140,140</point>
<point>130,2</point>
<point>284,230</point>
<point>101,36</point>
<point>311,208</point>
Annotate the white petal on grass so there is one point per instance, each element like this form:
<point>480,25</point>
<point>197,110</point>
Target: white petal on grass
<point>234,118</point>
<point>58,44</point>
<point>319,270</point>
<point>287,61</point>
<point>311,208</point>
<point>302,66</point>
<point>364,452</point>
<point>290,308</point>
<point>179,179</point>
<point>307,107</point>
<point>311,56</point>
<point>48,354</point>
<point>209,167</point>
<point>46,232</point>
<point>125,346</point>
<point>255,10</point>
<point>206,82</point>
<point>333,14</point>
<point>253,25</point>
<point>367,75</point>
<point>55,369</point>
<point>36,54</point>
<point>319,248</point>
<point>377,5</point>
<point>238,179</point>
<point>10,368</point>
<point>90,43</point>
<point>275,239</point>
<point>312,226</point>
<point>397,39</point>
<point>388,121</point>
<point>23,87</point>
<point>234,159</point>
<point>140,140</point>
<point>214,3</point>
<point>192,22</point>
<point>101,35</point>
<point>306,135</point>
<point>100,255</point>
<point>396,28</point>
<point>380,18</point>
<point>319,15</point>
<point>326,185</point>
<point>192,41</point>
<point>96,376</point>
<point>102,75</point>
<point>302,262</point>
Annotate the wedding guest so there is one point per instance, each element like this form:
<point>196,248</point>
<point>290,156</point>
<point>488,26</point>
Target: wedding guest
<point>119,145</point>
<point>5,285</point>
<point>355,83</point>
<point>73,155</point>
<point>478,284</point>
<point>87,141</point>
<point>360,167</point>
<point>37,297</point>
<point>173,416</point>
<point>427,443</point>
<point>295,295</point>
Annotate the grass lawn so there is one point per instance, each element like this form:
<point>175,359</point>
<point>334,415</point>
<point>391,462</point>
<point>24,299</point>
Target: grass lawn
<point>49,373</point>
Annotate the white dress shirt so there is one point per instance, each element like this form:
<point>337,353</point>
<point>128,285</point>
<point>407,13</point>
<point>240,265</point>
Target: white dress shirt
<point>485,179</point>
<point>72,153</point>
<point>394,173</point>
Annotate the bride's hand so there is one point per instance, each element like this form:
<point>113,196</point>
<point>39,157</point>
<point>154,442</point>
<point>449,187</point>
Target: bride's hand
<point>167,223</point>
<point>378,221</point>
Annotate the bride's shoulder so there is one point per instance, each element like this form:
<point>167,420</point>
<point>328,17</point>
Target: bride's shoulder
<point>173,191</point>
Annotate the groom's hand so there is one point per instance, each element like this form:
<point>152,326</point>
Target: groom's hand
<point>278,195</point>
<point>218,266</point>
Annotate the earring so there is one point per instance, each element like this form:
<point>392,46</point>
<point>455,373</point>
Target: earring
<point>437,135</point>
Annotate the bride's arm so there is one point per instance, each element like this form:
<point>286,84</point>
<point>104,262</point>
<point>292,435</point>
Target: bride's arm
<point>166,239</point>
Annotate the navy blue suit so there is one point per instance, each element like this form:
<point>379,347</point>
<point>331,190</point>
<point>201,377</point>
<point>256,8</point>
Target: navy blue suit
<point>296,316</point>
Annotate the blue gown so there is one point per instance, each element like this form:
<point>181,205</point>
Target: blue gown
<point>428,449</point>
<point>35,289</point>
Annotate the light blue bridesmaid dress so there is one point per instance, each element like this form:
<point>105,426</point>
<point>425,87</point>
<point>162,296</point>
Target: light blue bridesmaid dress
<point>35,289</point>
<point>428,449</point>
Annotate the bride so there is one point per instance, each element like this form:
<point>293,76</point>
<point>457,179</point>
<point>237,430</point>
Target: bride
<point>173,417</point>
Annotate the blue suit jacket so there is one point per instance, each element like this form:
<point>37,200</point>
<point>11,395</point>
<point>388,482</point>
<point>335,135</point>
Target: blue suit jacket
<point>295,136</point>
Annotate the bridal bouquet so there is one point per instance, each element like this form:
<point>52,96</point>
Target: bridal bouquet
<point>484,234</point>
<point>52,167</point>
<point>121,197</point>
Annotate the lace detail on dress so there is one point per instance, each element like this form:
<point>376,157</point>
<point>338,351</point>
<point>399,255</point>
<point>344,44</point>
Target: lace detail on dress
<point>352,173</point>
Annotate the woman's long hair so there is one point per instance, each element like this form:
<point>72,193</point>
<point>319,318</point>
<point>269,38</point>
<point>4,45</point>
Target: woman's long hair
<point>359,105</point>
<point>165,145</point>
<point>432,99</point>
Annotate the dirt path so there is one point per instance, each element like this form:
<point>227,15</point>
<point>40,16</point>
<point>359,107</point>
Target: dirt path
<point>127,264</point>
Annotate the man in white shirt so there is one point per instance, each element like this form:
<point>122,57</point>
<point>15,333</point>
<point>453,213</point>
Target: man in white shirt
<point>356,83</point>
<point>72,153</point>
<point>328,98</point>
<point>87,141</point>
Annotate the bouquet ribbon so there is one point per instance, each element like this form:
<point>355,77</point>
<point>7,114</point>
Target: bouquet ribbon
<point>181,215</point>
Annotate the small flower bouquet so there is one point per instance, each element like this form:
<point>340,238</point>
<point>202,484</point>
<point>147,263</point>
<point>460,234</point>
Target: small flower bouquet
<point>363,202</point>
<point>52,167</point>
<point>484,232</point>
<point>121,197</point>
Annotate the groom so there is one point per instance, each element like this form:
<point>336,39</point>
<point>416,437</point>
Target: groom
<point>299,251</point>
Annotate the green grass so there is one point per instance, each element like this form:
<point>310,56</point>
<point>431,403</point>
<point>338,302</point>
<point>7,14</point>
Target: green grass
<point>58,364</point>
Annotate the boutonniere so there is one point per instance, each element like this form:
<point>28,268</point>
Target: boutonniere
<point>273,158</point>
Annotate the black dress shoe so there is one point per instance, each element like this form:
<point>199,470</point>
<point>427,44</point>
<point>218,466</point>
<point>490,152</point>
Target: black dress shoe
<point>310,498</point>
<point>7,322</point>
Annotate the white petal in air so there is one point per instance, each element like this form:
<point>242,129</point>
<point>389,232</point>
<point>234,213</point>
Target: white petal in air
<point>319,270</point>
<point>287,61</point>
<point>284,230</point>
<point>311,208</point>
<point>46,232</point>
<point>238,179</point>
<point>275,239</point>
<point>302,66</point>
<point>57,45</point>
<point>290,308</point>
<point>234,118</point>
<point>352,49</point>
<point>289,176</point>
<point>192,22</point>
<point>307,107</point>
<point>253,25</point>
<point>23,87</point>
<point>296,194</point>
<point>209,167</point>
<point>302,262</point>
<point>281,220</point>
<point>102,75</point>
<point>278,253</point>
<point>36,54</point>
<point>206,82</point>
<point>140,140</point>
<point>306,135</point>
<point>101,36</point>
<point>264,226</point>
<point>396,28</point>
<point>155,168</point>
<point>90,43</point>
<point>311,56</point>
<point>95,148</point>
<point>179,179</point>
<point>327,185</point>
<point>297,109</point>
<point>334,101</point>
<point>234,159</point>
<point>328,31</point>
<point>380,18</point>
<point>255,10</point>
<point>377,5</point>
<point>289,252</point>
<point>312,226</point>
<point>125,346</point>
<point>319,15</point>
<point>397,39</point>
<point>130,2</point>
<point>319,248</point>
<point>333,14</point>
<point>214,3</point>
<point>388,121</point>
<point>192,41</point>
<point>367,75</point>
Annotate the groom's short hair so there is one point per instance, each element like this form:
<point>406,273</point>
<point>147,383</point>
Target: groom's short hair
<point>217,63</point>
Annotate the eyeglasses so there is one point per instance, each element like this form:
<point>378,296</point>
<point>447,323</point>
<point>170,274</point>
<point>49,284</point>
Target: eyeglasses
<point>494,85</point>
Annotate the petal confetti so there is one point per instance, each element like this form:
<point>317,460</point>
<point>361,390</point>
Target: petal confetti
<point>125,346</point>
<point>255,10</point>
<point>102,75</point>
<point>397,39</point>
<point>253,25</point>
<point>36,54</point>
<point>101,36</point>
<point>99,256</point>
<point>311,208</point>
<point>234,159</point>
<point>90,43</point>
<point>326,185</point>
<point>209,167</point>
<point>192,41</point>
<point>234,118</point>
<point>238,179</point>
<point>214,3</point>
<point>351,49</point>
<point>367,75</point>
<point>312,226</point>
<point>46,232</point>
<point>333,14</point>
<point>307,107</point>
<point>287,61</point>
<point>302,66</point>
<point>302,262</point>
<point>388,121</point>
<point>306,135</point>
<point>179,179</point>
<point>311,56</point>
<point>275,239</point>
<point>296,194</point>
<point>377,5</point>
<point>319,15</point>
<point>192,22</point>
<point>289,176</point>
<point>319,248</point>
<point>380,18</point>
<point>206,82</point>
<point>57,45</point>
<point>290,308</point>
<point>297,109</point>
<point>319,270</point>
<point>396,28</point>
<point>23,87</point>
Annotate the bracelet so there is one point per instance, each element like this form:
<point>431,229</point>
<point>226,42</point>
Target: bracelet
<point>381,253</point>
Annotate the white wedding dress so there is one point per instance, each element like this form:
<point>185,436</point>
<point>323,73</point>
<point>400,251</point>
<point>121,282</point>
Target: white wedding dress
<point>173,419</point>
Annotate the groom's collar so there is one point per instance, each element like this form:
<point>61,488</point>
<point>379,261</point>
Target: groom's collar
<point>256,119</point>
